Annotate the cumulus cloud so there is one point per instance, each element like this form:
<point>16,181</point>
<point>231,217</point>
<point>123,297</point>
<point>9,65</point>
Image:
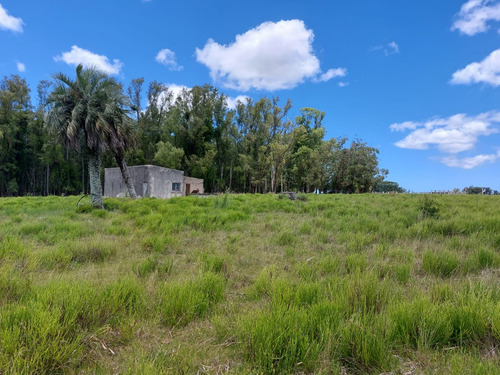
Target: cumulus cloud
<point>486,71</point>
<point>391,48</point>
<point>474,16</point>
<point>8,22</point>
<point>272,56</point>
<point>88,59</point>
<point>177,90</point>
<point>167,57</point>
<point>21,67</point>
<point>232,102</point>
<point>469,163</point>
<point>451,135</point>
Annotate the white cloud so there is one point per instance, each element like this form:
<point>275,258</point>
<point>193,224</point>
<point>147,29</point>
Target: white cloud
<point>343,84</point>
<point>404,126</point>
<point>391,48</point>
<point>451,135</point>
<point>474,16</point>
<point>232,102</point>
<point>8,22</point>
<point>469,163</point>
<point>332,73</point>
<point>486,71</point>
<point>177,90</point>
<point>88,59</point>
<point>168,97</point>
<point>167,58</point>
<point>21,67</point>
<point>272,56</point>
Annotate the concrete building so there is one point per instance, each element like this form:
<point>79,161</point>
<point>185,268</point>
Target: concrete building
<point>151,181</point>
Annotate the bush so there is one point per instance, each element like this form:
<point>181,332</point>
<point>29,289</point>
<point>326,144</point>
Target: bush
<point>429,207</point>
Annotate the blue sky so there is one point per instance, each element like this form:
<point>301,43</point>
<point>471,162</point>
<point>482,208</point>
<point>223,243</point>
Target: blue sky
<point>419,80</point>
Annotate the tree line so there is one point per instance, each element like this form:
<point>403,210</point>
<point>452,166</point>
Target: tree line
<point>78,127</point>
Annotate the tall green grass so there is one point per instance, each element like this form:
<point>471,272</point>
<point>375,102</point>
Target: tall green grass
<point>245,284</point>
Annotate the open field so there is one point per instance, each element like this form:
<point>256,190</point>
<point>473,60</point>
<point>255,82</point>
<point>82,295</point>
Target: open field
<point>246,284</point>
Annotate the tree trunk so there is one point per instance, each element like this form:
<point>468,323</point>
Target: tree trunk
<point>120,160</point>
<point>273,178</point>
<point>231,175</point>
<point>83,176</point>
<point>47,181</point>
<point>95,179</point>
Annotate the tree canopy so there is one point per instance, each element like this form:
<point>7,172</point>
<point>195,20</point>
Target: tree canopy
<point>90,110</point>
<point>256,147</point>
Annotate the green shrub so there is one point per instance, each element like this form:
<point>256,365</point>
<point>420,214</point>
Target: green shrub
<point>428,207</point>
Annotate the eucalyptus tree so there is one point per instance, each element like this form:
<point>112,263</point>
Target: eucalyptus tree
<point>93,107</point>
<point>16,128</point>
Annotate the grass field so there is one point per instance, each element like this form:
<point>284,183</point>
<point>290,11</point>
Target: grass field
<point>250,284</point>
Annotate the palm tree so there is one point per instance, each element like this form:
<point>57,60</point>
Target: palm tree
<point>92,106</point>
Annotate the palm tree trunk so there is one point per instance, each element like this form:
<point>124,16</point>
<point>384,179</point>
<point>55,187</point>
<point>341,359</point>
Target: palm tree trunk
<point>95,179</point>
<point>120,160</point>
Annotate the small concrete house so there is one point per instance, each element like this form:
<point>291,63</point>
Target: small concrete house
<point>151,181</point>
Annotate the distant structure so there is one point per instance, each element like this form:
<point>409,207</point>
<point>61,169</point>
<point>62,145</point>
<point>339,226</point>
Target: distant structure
<point>151,181</point>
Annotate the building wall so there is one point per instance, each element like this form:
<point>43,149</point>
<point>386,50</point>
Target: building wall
<point>114,185</point>
<point>162,180</point>
<point>193,184</point>
<point>149,181</point>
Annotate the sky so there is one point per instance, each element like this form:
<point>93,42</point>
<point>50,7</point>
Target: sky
<point>418,80</point>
